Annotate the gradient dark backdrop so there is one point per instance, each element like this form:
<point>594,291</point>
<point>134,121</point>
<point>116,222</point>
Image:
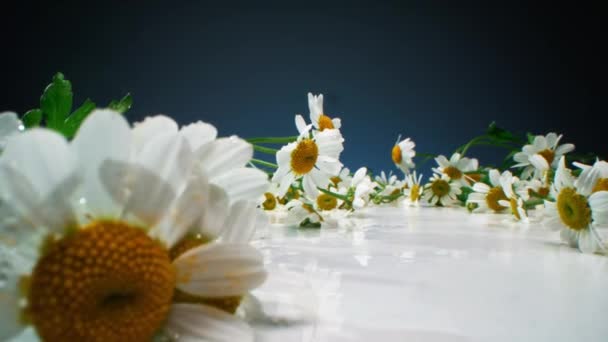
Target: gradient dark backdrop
<point>437,71</point>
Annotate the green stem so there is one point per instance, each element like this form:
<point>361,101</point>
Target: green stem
<point>272,140</point>
<point>263,149</point>
<point>333,194</point>
<point>264,163</point>
<point>463,149</point>
<point>533,203</point>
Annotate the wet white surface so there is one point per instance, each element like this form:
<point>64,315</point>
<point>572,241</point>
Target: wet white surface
<point>430,274</point>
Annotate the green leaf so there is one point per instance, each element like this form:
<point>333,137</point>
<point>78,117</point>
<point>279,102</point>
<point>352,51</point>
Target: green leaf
<point>530,137</point>
<point>56,102</point>
<point>464,195</point>
<point>32,118</point>
<point>73,122</point>
<point>122,105</point>
<point>499,133</point>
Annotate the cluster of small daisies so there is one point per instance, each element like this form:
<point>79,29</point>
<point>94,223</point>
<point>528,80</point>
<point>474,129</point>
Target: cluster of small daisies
<point>142,232</point>
<point>311,188</point>
<point>127,233</point>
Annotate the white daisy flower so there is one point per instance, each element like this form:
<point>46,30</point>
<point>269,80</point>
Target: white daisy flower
<point>403,153</point>
<point>596,175</point>
<point>363,186</point>
<point>488,197</point>
<point>343,179</point>
<point>313,159</point>
<point>9,125</point>
<point>124,255</point>
<point>299,211</point>
<point>223,160</point>
<point>543,154</point>
<point>578,211</point>
<point>441,191</point>
<point>536,187</point>
<point>413,188</point>
<point>516,192</point>
<point>318,117</point>
<point>456,168</point>
<point>390,184</point>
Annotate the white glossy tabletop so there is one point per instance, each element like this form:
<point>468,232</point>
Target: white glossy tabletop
<point>430,274</point>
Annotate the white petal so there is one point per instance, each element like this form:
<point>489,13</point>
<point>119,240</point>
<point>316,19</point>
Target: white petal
<point>309,186</point>
<point>189,323</point>
<point>359,175</point>
<point>599,207</point>
<point>539,162</point>
<point>225,154</point>
<point>494,177</point>
<point>481,187</point>
<point>240,224</point>
<point>199,134</point>
<point>329,143</point>
<point>300,124</point>
<point>185,210</point>
<point>220,270</point>
<point>320,178</point>
<point>588,241</point>
<point>521,157</point>
<point>10,312</point>
<point>104,135</point>
<point>9,125</point>
<point>286,182</point>
<point>442,161</point>
<point>150,128</point>
<point>215,212</point>
<point>336,122</point>
<point>563,149</point>
<point>540,143</point>
<point>328,165</point>
<point>454,158</point>
<point>552,140</point>
<point>569,236</point>
<point>163,168</point>
<point>243,183</point>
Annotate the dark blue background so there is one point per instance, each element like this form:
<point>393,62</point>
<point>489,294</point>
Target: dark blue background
<point>436,71</point>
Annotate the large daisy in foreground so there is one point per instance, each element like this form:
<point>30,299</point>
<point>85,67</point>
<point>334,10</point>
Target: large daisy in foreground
<point>102,243</point>
<point>580,208</point>
<point>313,159</point>
<point>9,125</point>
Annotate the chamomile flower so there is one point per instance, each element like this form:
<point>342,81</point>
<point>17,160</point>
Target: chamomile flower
<point>403,153</point>
<point>456,168</point>
<point>441,191</point>
<point>488,197</point>
<point>543,154</point>
<point>342,179</point>
<point>313,159</point>
<point>363,187</point>
<point>223,160</point>
<point>578,210</point>
<point>515,192</point>
<point>301,211</point>
<point>596,175</point>
<point>318,117</point>
<point>9,125</point>
<point>537,188</point>
<point>105,243</point>
<point>390,184</point>
<point>413,188</point>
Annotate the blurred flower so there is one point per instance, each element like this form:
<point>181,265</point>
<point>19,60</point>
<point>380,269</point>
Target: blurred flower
<point>403,153</point>
<point>543,154</point>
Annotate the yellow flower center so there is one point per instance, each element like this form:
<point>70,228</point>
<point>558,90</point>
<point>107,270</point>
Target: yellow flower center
<point>440,187</point>
<point>415,193</point>
<point>107,281</point>
<point>573,209</point>
<point>494,195</point>
<point>326,202</point>
<point>548,154</point>
<point>270,203</point>
<point>452,172</point>
<point>514,208</point>
<point>325,122</point>
<point>335,180</point>
<point>601,185</point>
<point>227,304</point>
<point>396,154</point>
<point>304,156</point>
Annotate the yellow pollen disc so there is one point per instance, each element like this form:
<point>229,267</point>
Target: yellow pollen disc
<point>396,154</point>
<point>514,208</point>
<point>573,209</point>
<point>270,203</point>
<point>395,192</point>
<point>107,281</point>
<point>304,156</point>
<point>476,177</point>
<point>335,180</point>
<point>548,154</point>
<point>494,195</point>
<point>326,202</point>
<point>415,193</point>
<point>191,241</point>
<point>440,187</point>
<point>325,122</point>
<point>452,172</point>
<point>601,185</point>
